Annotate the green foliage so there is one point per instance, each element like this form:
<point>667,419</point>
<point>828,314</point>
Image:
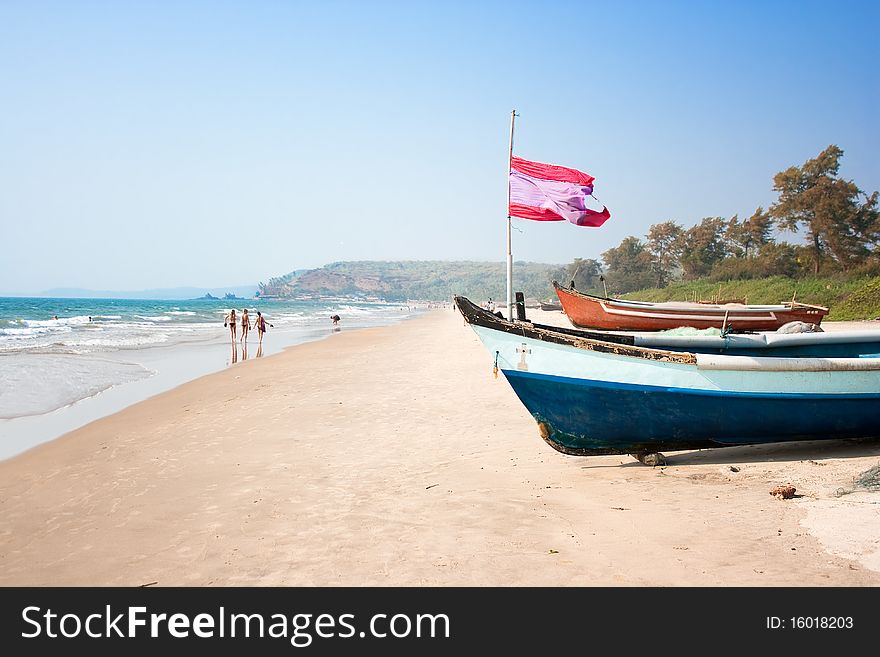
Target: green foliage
<point>747,238</point>
<point>630,266</point>
<point>829,209</point>
<point>584,272</point>
<point>772,259</point>
<point>702,247</point>
<point>862,303</point>
<point>665,246</point>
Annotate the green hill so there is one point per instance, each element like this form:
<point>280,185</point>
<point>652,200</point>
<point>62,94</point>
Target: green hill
<point>432,280</point>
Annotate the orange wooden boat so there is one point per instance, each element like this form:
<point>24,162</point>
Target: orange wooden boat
<point>621,315</point>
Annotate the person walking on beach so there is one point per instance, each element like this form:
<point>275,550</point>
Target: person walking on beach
<point>245,325</point>
<point>260,325</point>
<point>335,319</point>
<point>230,321</point>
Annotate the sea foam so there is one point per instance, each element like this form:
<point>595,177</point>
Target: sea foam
<point>62,380</point>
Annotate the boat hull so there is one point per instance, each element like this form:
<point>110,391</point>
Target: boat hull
<point>587,311</point>
<point>582,416</point>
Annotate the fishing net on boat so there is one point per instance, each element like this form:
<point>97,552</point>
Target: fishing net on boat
<point>800,327</point>
<point>869,479</point>
<point>690,330</point>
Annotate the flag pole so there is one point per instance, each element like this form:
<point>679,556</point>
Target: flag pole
<point>509,250</point>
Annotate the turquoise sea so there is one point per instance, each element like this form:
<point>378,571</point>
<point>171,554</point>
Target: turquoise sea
<point>127,349</point>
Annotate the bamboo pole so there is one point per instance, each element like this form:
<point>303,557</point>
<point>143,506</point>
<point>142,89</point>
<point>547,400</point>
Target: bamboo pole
<point>509,249</point>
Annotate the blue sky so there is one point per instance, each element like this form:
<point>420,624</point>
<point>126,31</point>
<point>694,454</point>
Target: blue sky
<point>157,144</point>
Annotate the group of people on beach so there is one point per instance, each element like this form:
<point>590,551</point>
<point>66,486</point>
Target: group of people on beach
<point>260,324</point>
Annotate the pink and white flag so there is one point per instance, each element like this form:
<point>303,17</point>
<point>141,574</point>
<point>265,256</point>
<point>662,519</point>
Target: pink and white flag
<point>548,192</point>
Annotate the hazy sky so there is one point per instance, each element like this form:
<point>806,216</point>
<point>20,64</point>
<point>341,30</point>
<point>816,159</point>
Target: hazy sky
<point>165,143</point>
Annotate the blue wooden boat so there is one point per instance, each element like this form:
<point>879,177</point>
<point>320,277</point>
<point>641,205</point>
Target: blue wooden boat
<point>599,393</point>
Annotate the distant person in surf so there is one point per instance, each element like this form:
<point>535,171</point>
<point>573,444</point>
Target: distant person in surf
<point>230,321</point>
<point>334,319</point>
<point>245,324</point>
<point>260,324</point>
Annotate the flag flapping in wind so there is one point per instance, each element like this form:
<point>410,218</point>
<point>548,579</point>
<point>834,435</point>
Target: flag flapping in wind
<point>548,192</point>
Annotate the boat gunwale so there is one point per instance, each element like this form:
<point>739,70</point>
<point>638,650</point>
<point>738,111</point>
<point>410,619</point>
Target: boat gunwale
<point>475,315</point>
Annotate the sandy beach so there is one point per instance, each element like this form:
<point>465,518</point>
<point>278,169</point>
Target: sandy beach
<point>391,456</point>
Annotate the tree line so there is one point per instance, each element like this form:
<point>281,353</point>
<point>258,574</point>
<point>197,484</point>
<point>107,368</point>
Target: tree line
<point>839,221</point>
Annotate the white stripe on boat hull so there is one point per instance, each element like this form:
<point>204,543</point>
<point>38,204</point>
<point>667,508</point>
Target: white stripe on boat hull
<point>540,357</point>
<point>684,315</point>
<point>771,364</point>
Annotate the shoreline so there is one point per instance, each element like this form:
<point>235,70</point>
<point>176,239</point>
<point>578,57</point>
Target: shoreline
<point>168,367</point>
<point>391,456</point>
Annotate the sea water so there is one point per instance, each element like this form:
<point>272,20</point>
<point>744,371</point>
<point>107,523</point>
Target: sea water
<point>118,351</point>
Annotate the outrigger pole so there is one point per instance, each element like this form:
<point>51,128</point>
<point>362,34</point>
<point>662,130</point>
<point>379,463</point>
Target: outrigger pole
<point>509,251</point>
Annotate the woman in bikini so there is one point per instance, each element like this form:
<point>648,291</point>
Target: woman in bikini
<point>260,325</point>
<point>245,324</point>
<point>230,322</point>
